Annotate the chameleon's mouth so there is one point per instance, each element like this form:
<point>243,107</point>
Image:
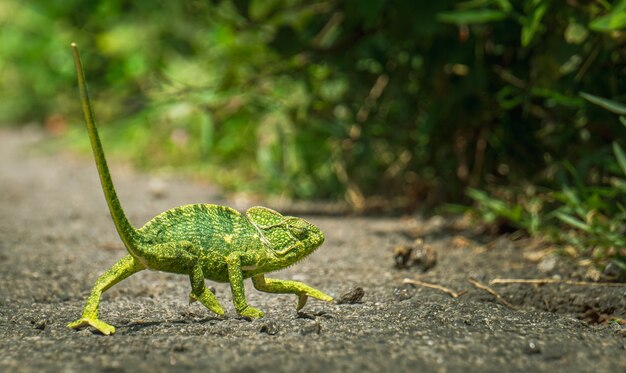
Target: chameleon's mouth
<point>316,238</point>
<point>309,235</point>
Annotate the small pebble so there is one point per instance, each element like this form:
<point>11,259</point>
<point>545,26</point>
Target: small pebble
<point>612,270</point>
<point>305,315</point>
<point>404,292</point>
<point>401,256</point>
<point>418,255</point>
<point>547,264</point>
<point>270,328</point>
<point>41,324</point>
<point>313,328</point>
<point>532,348</point>
<point>353,296</point>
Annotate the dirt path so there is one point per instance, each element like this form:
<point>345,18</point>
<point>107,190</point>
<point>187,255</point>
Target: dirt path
<point>56,237</point>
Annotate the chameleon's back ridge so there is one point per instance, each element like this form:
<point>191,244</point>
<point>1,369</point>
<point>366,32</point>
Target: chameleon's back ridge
<point>202,241</point>
<point>199,223</point>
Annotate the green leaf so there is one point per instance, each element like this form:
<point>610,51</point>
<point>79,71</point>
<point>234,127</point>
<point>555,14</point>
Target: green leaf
<point>610,105</point>
<point>609,22</point>
<point>623,120</point>
<point>557,97</point>
<point>505,5</point>
<point>620,156</point>
<point>531,24</point>
<point>614,20</point>
<point>570,220</point>
<point>575,33</point>
<point>618,184</point>
<point>207,130</point>
<point>260,9</point>
<point>475,16</point>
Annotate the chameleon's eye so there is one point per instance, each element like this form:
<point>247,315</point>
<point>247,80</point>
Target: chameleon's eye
<point>299,233</point>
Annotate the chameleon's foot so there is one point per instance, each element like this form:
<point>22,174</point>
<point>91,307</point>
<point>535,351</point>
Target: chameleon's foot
<point>325,297</point>
<point>303,297</point>
<point>208,301</point>
<point>192,299</point>
<point>251,313</point>
<point>100,325</point>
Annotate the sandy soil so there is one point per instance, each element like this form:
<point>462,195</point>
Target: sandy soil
<point>56,238</point>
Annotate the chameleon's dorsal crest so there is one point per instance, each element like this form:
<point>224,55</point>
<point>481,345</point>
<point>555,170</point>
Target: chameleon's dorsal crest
<point>264,217</point>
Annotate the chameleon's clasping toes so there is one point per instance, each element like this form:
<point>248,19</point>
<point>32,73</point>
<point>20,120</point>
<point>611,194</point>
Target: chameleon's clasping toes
<point>100,325</point>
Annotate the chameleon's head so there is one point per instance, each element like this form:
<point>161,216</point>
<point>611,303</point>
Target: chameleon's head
<point>289,237</point>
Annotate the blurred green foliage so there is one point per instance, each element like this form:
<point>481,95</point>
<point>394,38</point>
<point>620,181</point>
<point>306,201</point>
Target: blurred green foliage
<point>411,101</point>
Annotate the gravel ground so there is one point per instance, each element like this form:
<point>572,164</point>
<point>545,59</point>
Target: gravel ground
<point>56,238</point>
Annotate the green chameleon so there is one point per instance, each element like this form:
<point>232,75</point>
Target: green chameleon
<point>202,241</point>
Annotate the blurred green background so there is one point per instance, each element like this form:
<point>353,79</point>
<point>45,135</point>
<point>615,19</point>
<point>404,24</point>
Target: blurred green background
<point>513,110</point>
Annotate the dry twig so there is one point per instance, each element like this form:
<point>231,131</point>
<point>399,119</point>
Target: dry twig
<point>544,281</point>
<point>477,284</point>
<point>452,293</point>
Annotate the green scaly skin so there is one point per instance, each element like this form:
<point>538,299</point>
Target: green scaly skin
<point>202,241</point>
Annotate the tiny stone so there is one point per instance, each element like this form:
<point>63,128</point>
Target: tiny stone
<point>401,256</point>
<point>41,324</point>
<point>314,328</point>
<point>547,264</point>
<point>418,255</point>
<point>404,292</point>
<point>532,348</point>
<point>270,328</point>
<point>612,270</point>
<point>425,257</point>
<point>353,296</point>
<point>322,313</point>
<point>304,315</point>
<point>593,274</point>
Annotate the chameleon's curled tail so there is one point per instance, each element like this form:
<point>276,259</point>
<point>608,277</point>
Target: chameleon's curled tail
<point>125,229</point>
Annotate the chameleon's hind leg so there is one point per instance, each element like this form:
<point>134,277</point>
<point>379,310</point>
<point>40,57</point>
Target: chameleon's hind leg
<point>235,277</point>
<point>120,270</point>
<point>201,293</point>
<point>303,291</point>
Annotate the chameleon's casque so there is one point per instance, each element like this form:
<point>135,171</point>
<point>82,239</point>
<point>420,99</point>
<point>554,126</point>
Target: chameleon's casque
<point>202,241</point>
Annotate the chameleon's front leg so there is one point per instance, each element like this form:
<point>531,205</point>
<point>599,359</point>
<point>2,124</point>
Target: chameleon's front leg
<point>200,292</point>
<point>235,277</point>
<point>303,291</point>
<point>120,270</point>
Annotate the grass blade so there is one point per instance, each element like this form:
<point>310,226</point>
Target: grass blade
<point>620,156</point>
<point>570,220</point>
<point>469,17</point>
<point>610,105</point>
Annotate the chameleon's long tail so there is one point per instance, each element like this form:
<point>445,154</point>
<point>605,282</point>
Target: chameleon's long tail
<point>125,229</point>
